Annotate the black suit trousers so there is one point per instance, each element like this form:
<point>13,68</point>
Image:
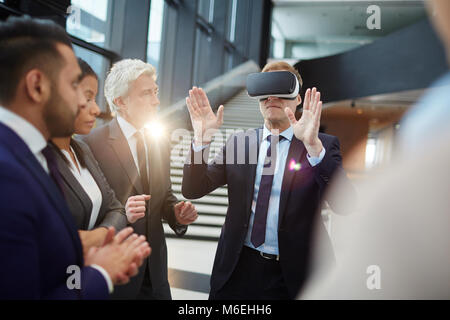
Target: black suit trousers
<point>254,277</point>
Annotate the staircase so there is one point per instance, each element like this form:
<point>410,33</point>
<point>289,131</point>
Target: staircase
<point>240,112</point>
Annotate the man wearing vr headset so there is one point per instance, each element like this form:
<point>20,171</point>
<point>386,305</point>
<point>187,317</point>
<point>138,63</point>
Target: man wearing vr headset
<point>264,247</point>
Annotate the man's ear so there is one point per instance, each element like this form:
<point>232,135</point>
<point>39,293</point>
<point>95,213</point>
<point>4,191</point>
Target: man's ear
<point>119,101</point>
<point>37,86</point>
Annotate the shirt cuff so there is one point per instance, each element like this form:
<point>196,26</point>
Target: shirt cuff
<point>180,229</point>
<point>314,161</point>
<point>198,148</point>
<point>106,276</point>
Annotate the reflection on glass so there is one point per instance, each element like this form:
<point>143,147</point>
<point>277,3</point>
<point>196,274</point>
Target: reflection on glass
<point>100,65</point>
<point>155,32</point>
<point>89,21</point>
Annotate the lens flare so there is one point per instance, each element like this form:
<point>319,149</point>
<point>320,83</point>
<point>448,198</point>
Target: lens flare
<point>294,166</point>
<point>155,129</point>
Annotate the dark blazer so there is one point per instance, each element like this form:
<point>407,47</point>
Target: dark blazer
<point>111,149</point>
<point>112,212</point>
<point>300,199</point>
<point>38,237</point>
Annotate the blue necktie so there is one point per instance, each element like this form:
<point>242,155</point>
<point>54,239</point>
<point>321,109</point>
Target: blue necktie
<point>265,188</point>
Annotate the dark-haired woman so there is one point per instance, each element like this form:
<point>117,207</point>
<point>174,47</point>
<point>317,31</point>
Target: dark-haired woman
<point>90,199</point>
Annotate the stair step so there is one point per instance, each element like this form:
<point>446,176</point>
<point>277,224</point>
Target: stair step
<point>209,199</point>
<point>222,191</point>
<point>214,221</point>
<point>197,230</point>
<point>207,208</point>
<point>176,180</point>
<point>176,172</point>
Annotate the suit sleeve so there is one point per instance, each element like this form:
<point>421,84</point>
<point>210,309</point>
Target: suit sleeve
<point>20,270</point>
<point>168,212</point>
<point>201,178</point>
<point>93,287</point>
<point>115,212</point>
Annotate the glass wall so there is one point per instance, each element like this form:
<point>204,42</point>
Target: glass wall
<point>91,21</point>
<point>204,39</point>
<point>154,32</point>
<point>216,39</point>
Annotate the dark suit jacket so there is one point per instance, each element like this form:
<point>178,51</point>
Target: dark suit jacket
<point>112,212</point>
<point>38,237</point>
<point>300,198</point>
<point>111,149</point>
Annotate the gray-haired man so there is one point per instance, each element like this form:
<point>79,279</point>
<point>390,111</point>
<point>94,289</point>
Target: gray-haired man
<point>136,165</point>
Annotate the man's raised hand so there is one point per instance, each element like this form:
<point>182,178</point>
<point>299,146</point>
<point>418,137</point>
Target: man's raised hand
<point>204,122</point>
<point>306,128</point>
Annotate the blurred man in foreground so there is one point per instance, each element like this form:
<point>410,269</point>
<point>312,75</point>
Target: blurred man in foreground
<point>401,246</point>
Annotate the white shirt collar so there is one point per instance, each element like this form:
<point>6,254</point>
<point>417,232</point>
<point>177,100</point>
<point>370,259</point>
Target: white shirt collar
<point>32,137</point>
<point>287,134</point>
<point>127,128</point>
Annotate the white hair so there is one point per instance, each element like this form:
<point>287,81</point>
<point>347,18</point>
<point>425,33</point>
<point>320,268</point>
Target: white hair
<point>120,77</point>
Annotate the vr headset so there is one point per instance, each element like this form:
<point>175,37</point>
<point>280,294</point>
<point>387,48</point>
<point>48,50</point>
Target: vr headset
<point>281,84</point>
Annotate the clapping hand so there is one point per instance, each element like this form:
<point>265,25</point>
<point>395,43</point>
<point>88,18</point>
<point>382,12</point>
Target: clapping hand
<point>121,255</point>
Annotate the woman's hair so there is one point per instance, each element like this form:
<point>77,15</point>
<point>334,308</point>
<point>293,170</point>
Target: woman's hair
<point>86,69</point>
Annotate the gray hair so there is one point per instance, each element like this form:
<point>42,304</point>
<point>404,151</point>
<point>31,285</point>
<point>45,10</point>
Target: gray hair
<point>120,77</point>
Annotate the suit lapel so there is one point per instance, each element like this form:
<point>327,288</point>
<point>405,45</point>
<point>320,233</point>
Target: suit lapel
<point>93,169</point>
<point>29,161</point>
<point>296,153</point>
<point>120,145</point>
<point>77,189</point>
<point>55,197</point>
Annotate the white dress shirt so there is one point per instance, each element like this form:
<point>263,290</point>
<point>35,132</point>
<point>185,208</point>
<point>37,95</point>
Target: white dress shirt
<point>35,141</point>
<point>270,244</point>
<point>87,181</point>
<point>129,132</point>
